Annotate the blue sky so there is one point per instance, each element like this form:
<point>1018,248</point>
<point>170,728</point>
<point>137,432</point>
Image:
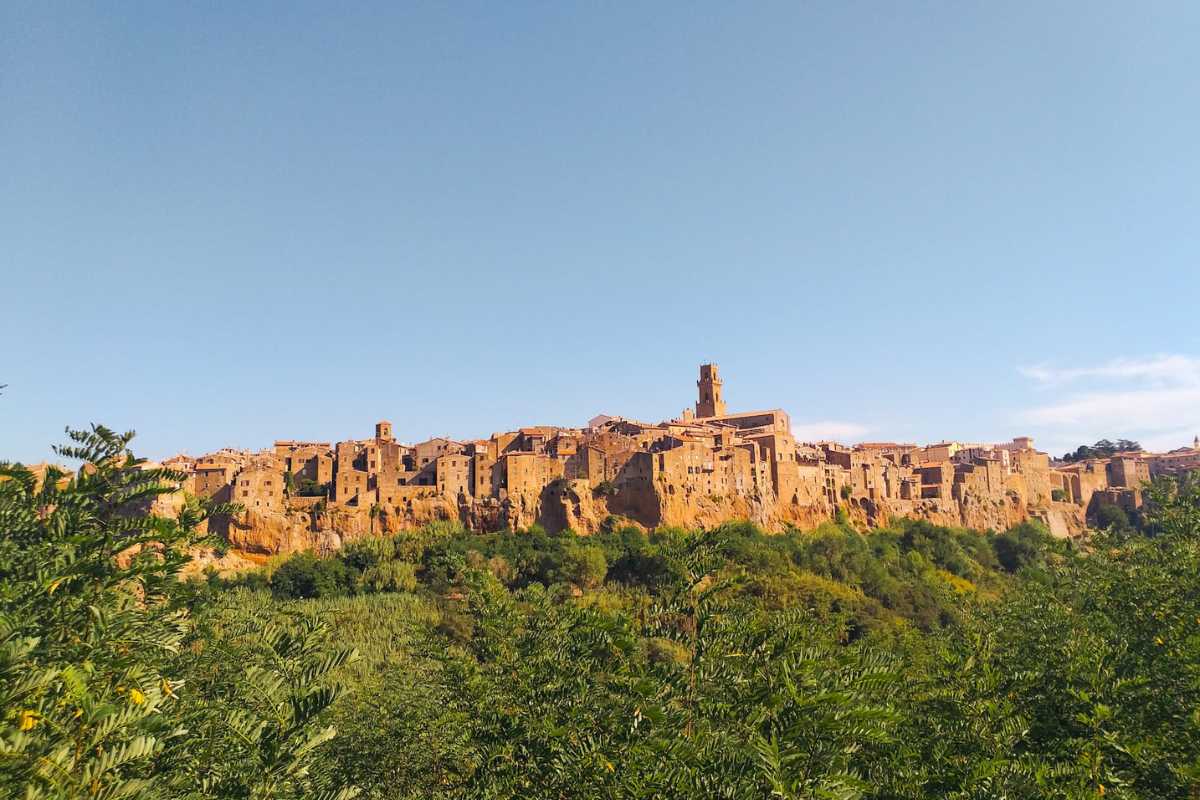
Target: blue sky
<point>910,221</point>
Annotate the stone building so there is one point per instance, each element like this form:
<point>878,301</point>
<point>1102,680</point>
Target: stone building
<point>213,482</point>
<point>259,487</point>
<point>710,403</point>
<point>706,466</point>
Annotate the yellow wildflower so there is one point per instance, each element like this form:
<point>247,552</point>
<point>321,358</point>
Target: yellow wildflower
<point>28,719</point>
<point>136,697</point>
<point>1158,641</point>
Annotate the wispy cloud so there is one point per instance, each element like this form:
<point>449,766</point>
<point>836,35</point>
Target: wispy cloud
<point>828,429</point>
<point>1164,369</point>
<point>1146,408</point>
<point>1155,400</point>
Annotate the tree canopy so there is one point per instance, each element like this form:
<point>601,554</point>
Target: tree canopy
<point>907,662</point>
<point>111,687</point>
<point>1102,449</point>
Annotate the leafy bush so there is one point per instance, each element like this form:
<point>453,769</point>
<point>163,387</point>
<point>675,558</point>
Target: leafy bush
<point>584,566</point>
<point>104,665</point>
<point>390,576</point>
<point>1022,546</point>
<point>304,575</point>
<point>1111,517</point>
<point>1102,449</point>
<point>908,662</point>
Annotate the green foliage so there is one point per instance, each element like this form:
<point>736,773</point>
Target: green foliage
<point>304,487</point>
<point>1173,506</point>
<point>1022,546</point>
<point>399,734</point>
<point>584,566</point>
<point>275,672</point>
<point>908,662</point>
<point>306,576</point>
<point>1102,449</point>
<point>362,554</point>
<point>1111,517</point>
<point>390,576</point>
<point>97,688</point>
<point>87,639</point>
<point>911,571</point>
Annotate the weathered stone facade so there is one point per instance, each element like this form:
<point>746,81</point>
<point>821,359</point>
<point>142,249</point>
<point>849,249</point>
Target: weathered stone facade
<point>705,467</point>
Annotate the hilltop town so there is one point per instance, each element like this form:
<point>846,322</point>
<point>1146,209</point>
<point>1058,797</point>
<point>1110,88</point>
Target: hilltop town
<point>705,467</point>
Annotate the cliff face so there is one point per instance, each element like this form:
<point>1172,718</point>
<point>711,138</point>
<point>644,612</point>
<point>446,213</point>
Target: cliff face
<point>976,512</point>
<point>698,470</point>
<point>576,505</point>
<point>270,533</point>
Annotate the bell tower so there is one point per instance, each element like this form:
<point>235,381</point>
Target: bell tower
<point>709,403</point>
<point>383,431</point>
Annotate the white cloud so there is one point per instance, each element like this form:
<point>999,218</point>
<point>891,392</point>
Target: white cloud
<point>1154,400</point>
<point>1164,369</point>
<point>1148,409</point>
<point>828,429</point>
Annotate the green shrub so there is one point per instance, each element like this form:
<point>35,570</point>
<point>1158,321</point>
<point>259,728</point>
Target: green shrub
<point>115,681</point>
<point>584,566</point>
<point>362,554</point>
<point>390,576</point>
<point>304,575</point>
<point>1111,517</point>
<point>1022,546</point>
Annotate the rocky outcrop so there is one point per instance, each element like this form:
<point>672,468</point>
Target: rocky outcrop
<point>224,562</point>
<point>578,506</point>
<point>271,533</point>
<point>1064,520</point>
<point>974,512</point>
